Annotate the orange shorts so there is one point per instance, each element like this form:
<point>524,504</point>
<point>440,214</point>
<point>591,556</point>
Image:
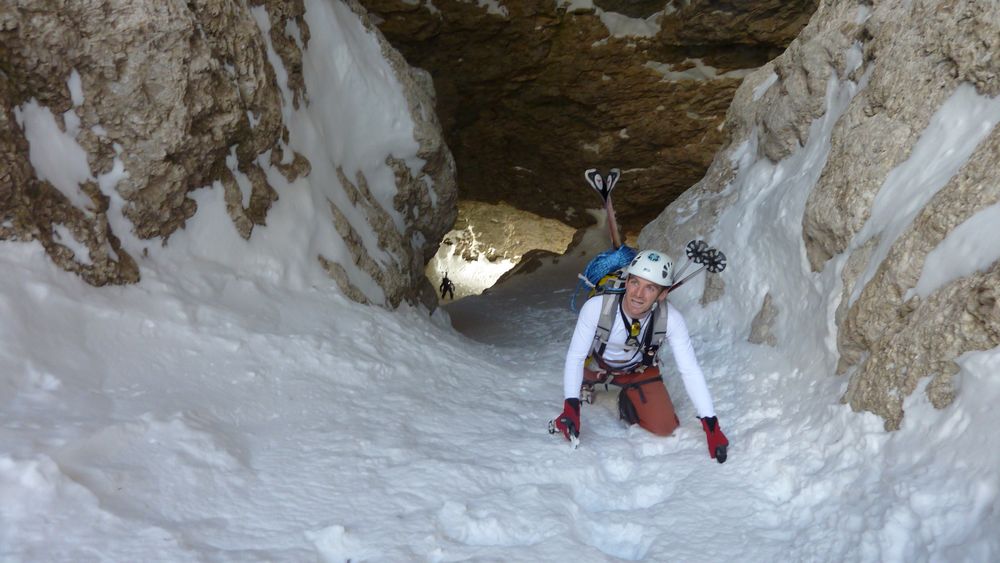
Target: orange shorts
<point>646,394</point>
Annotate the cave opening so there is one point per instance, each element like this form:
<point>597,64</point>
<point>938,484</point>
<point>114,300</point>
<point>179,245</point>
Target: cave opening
<point>487,241</point>
<point>529,95</point>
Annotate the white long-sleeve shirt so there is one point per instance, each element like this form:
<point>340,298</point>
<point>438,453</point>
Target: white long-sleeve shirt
<point>677,336</point>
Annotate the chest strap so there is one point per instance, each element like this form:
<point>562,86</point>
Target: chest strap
<point>652,336</point>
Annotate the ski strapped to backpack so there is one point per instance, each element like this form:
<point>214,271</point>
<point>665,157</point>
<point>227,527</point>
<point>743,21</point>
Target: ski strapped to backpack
<point>603,268</point>
<point>604,187</point>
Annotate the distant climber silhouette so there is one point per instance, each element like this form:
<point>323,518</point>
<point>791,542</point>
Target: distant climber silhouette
<point>447,286</point>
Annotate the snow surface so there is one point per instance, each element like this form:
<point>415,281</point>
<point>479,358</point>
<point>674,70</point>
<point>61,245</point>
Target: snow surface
<point>54,152</point>
<point>763,87</point>
<point>233,406</point>
<point>968,248</point>
<point>204,416</point>
<point>618,25</point>
<point>954,132</point>
<point>700,71</point>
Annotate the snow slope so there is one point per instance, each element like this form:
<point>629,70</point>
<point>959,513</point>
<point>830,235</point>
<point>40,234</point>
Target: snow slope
<point>233,406</point>
<point>201,416</point>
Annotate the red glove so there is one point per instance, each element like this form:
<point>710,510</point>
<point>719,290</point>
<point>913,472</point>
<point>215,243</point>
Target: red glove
<point>569,421</point>
<point>717,442</point>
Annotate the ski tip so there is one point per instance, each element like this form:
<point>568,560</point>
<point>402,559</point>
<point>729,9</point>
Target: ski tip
<point>612,179</point>
<point>596,181</point>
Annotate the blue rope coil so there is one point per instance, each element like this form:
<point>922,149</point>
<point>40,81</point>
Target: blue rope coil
<point>602,265</point>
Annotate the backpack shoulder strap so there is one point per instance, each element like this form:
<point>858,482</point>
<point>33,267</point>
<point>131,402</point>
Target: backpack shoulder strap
<point>609,307</point>
<point>660,324</point>
<point>655,335</point>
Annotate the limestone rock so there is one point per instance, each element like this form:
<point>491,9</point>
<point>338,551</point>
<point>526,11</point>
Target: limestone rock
<point>907,58</point>
<point>736,22</point>
<point>165,91</point>
<point>427,216</point>
<point>761,329</point>
<point>533,94</point>
<point>907,338</point>
<point>517,232</point>
<point>715,287</point>
<point>179,96</point>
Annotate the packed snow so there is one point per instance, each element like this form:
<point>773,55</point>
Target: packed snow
<point>204,416</point>
<point>234,406</point>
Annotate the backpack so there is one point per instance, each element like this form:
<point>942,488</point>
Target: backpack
<point>605,273</point>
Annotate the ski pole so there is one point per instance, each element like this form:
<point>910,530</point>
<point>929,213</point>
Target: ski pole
<point>711,259</point>
<point>689,276</point>
<point>695,251</point>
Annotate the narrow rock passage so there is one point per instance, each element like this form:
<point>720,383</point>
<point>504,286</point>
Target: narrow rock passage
<point>626,493</point>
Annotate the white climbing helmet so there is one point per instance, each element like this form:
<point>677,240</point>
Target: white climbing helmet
<point>652,265</point>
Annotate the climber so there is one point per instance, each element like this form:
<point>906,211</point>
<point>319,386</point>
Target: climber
<point>615,342</point>
<point>447,286</point>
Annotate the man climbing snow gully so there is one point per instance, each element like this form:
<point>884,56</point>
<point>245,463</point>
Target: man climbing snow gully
<point>629,358</point>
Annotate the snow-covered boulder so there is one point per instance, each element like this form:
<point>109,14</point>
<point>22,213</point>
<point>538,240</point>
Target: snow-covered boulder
<point>116,113</point>
<point>858,188</point>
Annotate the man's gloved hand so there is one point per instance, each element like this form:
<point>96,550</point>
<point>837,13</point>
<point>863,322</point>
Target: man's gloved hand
<point>569,421</point>
<point>717,442</point>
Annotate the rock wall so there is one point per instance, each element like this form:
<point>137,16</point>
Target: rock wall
<point>906,59</point>
<point>532,93</point>
<point>427,200</point>
<point>517,231</point>
<point>162,98</point>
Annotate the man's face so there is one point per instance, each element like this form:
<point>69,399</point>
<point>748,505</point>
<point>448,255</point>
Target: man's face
<point>640,295</point>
